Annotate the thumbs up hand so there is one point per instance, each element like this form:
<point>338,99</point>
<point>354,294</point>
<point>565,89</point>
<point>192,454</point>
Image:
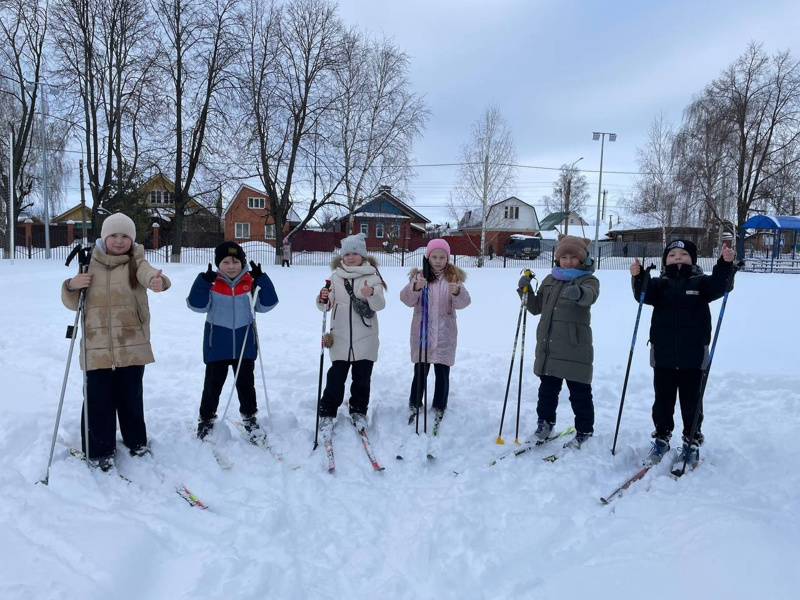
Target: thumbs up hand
<point>727,253</point>
<point>157,282</point>
<point>367,291</point>
<point>636,268</point>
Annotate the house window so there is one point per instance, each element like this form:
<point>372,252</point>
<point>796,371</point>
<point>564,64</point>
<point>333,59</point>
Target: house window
<point>394,230</point>
<point>379,229</point>
<point>255,202</point>
<point>162,197</point>
<point>363,227</point>
<point>511,212</point>
<point>242,230</point>
<point>269,231</point>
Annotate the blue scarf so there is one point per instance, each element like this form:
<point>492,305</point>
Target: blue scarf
<point>568,274</point>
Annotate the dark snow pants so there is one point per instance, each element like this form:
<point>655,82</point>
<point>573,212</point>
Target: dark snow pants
<point>333,396</point>
<point>669,383</point>
<point>441,390</point>
<point>580,396</point>
<point>114,394</point>
<point>216,374</point>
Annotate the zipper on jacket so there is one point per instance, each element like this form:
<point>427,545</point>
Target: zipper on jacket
<point>233,328</point>
<point>547,337</point>
<point>108,323</point>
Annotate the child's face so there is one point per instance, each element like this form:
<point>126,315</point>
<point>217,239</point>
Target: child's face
<point>568,261</point>
<point>231,267</point>
<point>118,244</point>
<point>679,256</point>
<point>438,260</point>
<point>352,259</point>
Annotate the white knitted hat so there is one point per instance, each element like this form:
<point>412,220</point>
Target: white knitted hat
<point>355,244</point>
<point>118,223</point>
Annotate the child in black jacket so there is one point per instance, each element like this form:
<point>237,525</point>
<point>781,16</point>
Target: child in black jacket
<point>680,333</point>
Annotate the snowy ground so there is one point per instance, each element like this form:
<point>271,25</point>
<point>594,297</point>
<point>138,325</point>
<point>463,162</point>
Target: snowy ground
<point>522,529</point>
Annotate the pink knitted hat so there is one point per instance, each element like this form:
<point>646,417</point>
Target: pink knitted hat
<point>437,244</point>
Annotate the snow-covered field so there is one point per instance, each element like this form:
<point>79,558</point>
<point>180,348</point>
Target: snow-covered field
<point>522,529</point>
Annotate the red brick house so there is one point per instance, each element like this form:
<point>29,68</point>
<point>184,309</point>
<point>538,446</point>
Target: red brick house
<point>248,217</point>
<point>387,222</point>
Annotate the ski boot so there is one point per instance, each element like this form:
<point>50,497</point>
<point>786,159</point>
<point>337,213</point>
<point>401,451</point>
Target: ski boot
<point>359,421</point>
<point>693,453</point>
<point>140,451</point>
<point>412,414</point>
<point>578,441</point>
<point>438,415</point>
<point>104,463</point>
<point>256,435</point>
<point>659,448</point>
<point>543,431</point>
<point>204,427</point>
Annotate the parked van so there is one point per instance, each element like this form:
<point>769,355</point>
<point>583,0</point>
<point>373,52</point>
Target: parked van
<point>523,246</point>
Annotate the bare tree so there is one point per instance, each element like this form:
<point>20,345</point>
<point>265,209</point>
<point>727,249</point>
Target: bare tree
<point>376,118</point>
<point>759,97</point>
<point>570,191</point>
<point>486,175</point>
<point>105,61</point>
<point>657,189</point>
<point>286,91</point>
<point>23,31</point>
<point>198,48</point>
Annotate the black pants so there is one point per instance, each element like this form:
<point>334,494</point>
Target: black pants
<point>333,396</point>
<point>441,390</point>
<point>114,394</point>
<point>668,383</point>
<point>285,262</point>
<point>216,374</point>
<point>580,396</point>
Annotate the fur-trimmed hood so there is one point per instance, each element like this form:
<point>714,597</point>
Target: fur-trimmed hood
<point>461,275</point>
<point>336,261</point>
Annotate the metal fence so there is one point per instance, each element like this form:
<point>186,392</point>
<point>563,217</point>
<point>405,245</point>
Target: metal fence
<point>612,255</point>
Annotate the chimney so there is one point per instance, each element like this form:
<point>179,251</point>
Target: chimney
<point>384,188</point>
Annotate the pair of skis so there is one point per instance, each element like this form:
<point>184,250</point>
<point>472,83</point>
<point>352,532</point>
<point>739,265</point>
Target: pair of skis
<point>365,443</point>
<point>431,452</point>
<point>180,489</point>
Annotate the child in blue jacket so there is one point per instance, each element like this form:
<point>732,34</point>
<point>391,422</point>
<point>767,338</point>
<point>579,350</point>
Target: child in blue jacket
<point>225,296</point>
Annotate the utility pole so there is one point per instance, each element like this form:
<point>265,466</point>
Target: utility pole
<point>566,206</point>
<point>605,192</point>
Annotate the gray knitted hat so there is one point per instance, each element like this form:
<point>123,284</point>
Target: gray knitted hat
<point>355,244</point>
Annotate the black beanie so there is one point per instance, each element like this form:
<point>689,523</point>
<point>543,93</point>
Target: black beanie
<point>684,245</point>
<point>226,249</point>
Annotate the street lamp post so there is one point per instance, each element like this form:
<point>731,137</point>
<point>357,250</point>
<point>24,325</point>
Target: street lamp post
<point>568,195</point>
<point>612,137</point>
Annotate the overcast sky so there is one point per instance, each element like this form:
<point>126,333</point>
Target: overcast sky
<point>559,70</point>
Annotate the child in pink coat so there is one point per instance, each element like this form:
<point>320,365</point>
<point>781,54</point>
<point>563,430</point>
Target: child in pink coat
<point>446,294</point>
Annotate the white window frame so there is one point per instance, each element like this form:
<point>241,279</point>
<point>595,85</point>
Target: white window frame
<point>269,231</point>
<point>380,229</point>
<point>363,227</point>
<point>256,203</point>
<point>242,231</point>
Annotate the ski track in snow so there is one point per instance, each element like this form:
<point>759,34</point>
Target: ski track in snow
<point>523,528</point>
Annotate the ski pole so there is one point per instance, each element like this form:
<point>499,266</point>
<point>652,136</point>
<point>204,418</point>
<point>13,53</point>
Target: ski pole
<point>706,367</point>
<point>241,356</point>
<point>83,266</point>
<point>645,281</point>
<point>522,305</point>
<point>261,365</point>
<point>321,363</point>
<point>522,360</point>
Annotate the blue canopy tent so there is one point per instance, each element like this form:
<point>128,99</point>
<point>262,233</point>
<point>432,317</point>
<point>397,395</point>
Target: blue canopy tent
<point>781,225</point>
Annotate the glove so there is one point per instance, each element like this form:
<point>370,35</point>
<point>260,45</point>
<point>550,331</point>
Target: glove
<point>572,292</point>
<point>524,281</point>
<point>255,270</point>
<point>209,276</point>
